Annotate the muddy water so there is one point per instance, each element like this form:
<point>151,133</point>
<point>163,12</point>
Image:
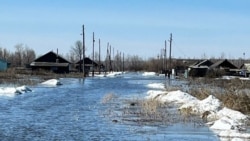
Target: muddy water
<point>74,111</point>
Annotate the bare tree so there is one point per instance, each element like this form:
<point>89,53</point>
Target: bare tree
<point>18,55</point>
<point>4,54</point>
<point>28,55</point>
<point>135,63</point>
<point>77,51</point>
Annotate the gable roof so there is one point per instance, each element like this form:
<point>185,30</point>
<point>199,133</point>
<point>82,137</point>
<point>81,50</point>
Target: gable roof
<point>202,64</point>
<point>225,64</point>
<point>51,57</point>
<point>246,66</point>
<point>87,61</point>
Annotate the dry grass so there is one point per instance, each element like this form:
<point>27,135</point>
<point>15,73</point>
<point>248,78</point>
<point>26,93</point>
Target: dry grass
<point>108,98</point>
<point>234,94</point>
<point>146,111</point>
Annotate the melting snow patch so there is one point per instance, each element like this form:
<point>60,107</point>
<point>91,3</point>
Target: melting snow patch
<point>12,91</point>
<point>178,97</point>
<point>156,86</point>
<point>235,115</point>
<point>153,94</point>
<point>52,82</point>
<point>225,122</point>
<point>211,104</point>
<point>149,74</point>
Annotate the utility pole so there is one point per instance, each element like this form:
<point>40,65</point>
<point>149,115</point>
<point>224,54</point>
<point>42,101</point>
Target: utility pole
<point>123,62</point>
<point>165,59</point>
<point>99,56</point>
<point>170,46</point>
<point>83,51</point>
<point>107,59</point>
<point>120,61</point>
<point>110,61</point>
<point>93,54</point>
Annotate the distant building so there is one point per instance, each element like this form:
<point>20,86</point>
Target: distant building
<point>88,65</point>
<point>210,69</point>
<point>200,68</point>
<point>3,65</point>
<point>51,62</point>
<point>224,67</point>
<point>245,69</point>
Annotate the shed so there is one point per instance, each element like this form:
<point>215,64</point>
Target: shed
<point>52,62</point>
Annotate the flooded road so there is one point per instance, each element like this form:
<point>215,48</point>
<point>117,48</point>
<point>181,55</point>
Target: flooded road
<point>74,111</point>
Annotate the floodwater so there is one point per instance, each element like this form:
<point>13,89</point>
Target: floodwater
<point>74,111</point>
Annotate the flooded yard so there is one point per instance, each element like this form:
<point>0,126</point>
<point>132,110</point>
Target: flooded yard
<point>99,108</point>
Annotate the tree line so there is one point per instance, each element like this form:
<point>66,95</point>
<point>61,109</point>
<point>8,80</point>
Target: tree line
<point>21,57</point>
<point>24,55</point>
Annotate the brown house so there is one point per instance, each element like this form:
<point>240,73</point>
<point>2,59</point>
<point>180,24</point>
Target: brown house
<point>88,65</point>
<point>51,62</point>
<point>200,68</point>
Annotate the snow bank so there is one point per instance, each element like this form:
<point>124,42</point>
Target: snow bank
<point>235,115</point>
<point>52,82</point>
<point>211,104</point>
<point>156,86</point>
<point>178,97</point>
<point>153,94</point>
<point>113,74</point>
<point>100,75</point>
<point>149,74</point>
<point>223,121</point>
<point>12,91</point>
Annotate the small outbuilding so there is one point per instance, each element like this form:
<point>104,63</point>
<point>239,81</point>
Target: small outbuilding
<point>51,62</point>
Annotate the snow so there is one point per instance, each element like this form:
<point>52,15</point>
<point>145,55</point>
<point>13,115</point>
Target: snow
<point>149,74</point>
<point>235,115</point>
<point>52,82</point>
<point>211,104</point>
<point>113,74</point>
<point>223,121</point>
<point>177,97</point>
<point>12,91</point>
<point>234,77</point>
<point>156,86</point>
<point>152,94</point>
<point>110,74</point>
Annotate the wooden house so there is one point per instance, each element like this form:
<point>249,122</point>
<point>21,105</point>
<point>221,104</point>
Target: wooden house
<point>200,68</point>
<point>224,66</point>
<point>88,65</point>
<point>51,62</point>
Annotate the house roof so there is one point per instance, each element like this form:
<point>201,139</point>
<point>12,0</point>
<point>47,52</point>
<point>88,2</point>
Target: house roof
<point>202,64</point>
<point>223,64</point>
<point>87,62</point>
<point>52,58</point>
<point>246,66</point>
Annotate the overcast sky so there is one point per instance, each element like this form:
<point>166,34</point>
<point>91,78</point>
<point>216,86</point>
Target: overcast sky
<point>135,27</point>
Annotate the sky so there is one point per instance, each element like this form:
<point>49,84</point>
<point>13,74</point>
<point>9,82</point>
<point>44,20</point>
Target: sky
<point>200,28</point>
